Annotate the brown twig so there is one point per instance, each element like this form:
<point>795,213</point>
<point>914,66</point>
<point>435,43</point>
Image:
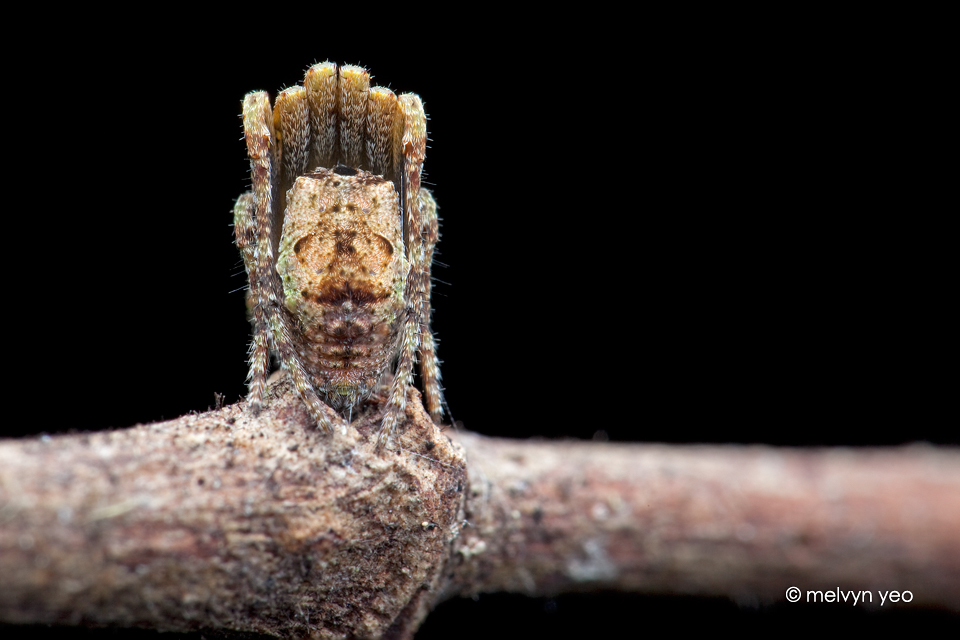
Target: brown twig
<point>226,521</point>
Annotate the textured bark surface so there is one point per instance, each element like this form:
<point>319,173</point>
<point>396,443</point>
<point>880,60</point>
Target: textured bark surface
<point>223,521</point>
<point>742,521</point>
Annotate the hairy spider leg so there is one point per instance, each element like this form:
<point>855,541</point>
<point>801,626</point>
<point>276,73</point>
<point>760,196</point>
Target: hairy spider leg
<point>269,318</point>
<point>429,363</point>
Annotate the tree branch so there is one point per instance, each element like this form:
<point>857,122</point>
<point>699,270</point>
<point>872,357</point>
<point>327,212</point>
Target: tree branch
<point>226,521</point>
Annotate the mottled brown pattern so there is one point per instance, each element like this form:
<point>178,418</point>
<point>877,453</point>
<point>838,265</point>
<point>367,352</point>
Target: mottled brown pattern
<point>337,238</point>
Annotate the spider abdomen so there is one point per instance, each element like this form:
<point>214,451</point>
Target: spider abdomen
<point>344,269</point>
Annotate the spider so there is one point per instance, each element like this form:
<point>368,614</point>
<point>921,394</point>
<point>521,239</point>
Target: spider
<point>337,238</point>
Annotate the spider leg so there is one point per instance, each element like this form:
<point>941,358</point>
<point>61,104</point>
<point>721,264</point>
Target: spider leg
<point>384,135</point>
<point>352,97</point>
<point>260,347</point>
<point>320,85</point>
<point>414,142</point>
<point>259,127</point>
<point>429,364</point>
<point>250,218</point>
<point>291,121</point>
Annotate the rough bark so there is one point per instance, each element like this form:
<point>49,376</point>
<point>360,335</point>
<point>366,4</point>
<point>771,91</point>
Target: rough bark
<point>226,521</point>
<point>746,522</point>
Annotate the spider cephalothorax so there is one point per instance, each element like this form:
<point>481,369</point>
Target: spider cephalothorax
<point>337,238</point>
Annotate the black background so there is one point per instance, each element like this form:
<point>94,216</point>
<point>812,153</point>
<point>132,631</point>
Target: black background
<point>653,236</point>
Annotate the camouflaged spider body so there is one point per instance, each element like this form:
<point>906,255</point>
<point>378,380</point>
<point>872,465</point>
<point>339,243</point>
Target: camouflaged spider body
<point>337,238</point>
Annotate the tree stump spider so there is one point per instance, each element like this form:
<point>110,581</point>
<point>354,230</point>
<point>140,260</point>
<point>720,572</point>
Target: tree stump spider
<point>337,238</point>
